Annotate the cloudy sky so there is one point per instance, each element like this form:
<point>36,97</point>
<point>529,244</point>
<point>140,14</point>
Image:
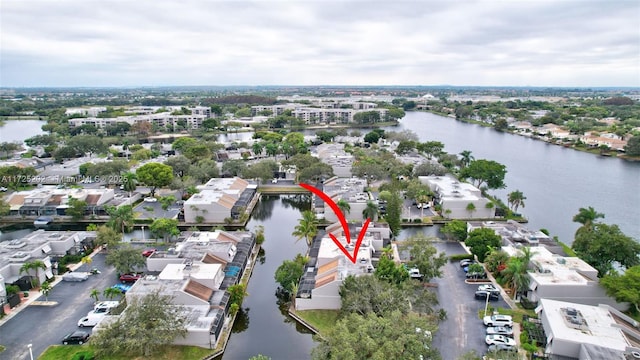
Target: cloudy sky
<point>390,42</point>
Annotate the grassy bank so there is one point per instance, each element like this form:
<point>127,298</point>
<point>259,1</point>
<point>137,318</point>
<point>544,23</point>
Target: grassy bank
<point>323,320</point>
<point>67,352</point>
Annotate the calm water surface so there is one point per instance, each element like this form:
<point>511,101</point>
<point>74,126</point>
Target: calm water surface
<point>267,329</point>
<point>19,130</point>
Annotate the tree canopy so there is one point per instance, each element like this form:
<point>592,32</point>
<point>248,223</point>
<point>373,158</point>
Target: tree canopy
<point>485,172</point>
<point>481,241</point>
<point>289,272</point>
<point>125,259</point>
<point>455,229</point>
<point>370,294</point>
<point>604,244</point>
<point>149,324</point>
<point>396,336</point>
<point>155,175</point>
<point>625,287</point>
<point>424,256</point>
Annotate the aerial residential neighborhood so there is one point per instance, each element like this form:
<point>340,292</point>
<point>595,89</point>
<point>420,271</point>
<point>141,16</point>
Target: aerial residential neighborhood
<point>175,222</point>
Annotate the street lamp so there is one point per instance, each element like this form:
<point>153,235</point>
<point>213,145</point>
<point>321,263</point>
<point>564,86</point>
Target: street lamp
<point>486,305</point>
<point>30,351</point>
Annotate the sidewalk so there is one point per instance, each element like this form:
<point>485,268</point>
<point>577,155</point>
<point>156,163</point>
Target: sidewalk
<point>35,294</point>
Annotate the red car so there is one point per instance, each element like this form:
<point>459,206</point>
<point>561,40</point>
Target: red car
<point>130,277</point>
<point>148,252</point>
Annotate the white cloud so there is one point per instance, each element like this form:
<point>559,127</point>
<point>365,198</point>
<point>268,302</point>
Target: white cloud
<point>162,42</point>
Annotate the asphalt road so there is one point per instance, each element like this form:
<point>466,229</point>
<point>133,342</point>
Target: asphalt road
<point>462,331</point>
<point>43,326</point>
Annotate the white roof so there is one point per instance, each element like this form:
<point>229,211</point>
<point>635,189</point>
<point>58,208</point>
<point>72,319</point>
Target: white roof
<point>598,329</point>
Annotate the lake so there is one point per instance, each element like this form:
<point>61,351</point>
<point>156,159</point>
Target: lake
<point>557,181</point>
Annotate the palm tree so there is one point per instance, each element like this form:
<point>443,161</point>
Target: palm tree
<point>129,181</point>
<point>121,218</point>
<point>516,199</point>
<point>33,265</point>
<point>307,227</point>
<point>46,289</point>
<point>344,206</point>
<point>87,260</point>
<point>257,148</point>
<point>587,217</point>
<point>111,293</point>
<point>516,275</point>
<point>465,158</point>
<point>95,294</point>
<point>370,211</point>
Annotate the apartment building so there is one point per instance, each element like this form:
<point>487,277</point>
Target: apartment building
<point>196,274</point>
<point>455,196</point>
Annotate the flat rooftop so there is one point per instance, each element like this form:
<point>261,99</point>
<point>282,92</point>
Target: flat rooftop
<point>552,269</point>
<point>590,324</point>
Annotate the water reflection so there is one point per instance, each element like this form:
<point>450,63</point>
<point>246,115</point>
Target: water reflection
<point>264,210</point>
<point>242,321</point>
<point>301,202</point>
<point>262,256</point>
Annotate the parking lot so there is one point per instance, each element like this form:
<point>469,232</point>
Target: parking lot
<point>43,326</point>
<point>463,330</point>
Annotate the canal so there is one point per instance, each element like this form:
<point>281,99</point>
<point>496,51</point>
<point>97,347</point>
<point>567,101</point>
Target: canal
<point>264,327</point>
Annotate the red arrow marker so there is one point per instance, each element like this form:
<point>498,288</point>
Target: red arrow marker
<point>343,222</point>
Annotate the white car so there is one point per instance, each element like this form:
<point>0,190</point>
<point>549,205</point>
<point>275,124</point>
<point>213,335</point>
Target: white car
<point>499,339</point>
<point>499,330</point>
<point>89,321</point>
<point>488,287</point>
<point>75,276</point>
<point>150,199</point>
<point>3,189</point>
<point>498,320</point>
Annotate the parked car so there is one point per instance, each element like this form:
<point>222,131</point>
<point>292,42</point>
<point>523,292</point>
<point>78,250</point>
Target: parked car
<point>423,206</point>
<point>3,189</point>
<point>122,287</point>
<point>466,262</point>
<point>500,347</point>
<point>75,276</point>
<point>90,321</point>
<point>415,273</point>
<point>499,330</point>
<point>105,306</point>
<point>150,199</point>
<point>487,287</point>
<point>130,277</point>
<point>76,337</point>
<point>498,320</point>
<point>483,294</point>
<point>499,339</point>
<point>148,252</point>
<point>476,275</point>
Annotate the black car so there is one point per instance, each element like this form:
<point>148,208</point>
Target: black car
<point>482,295</point>
<point>476,275</point>
<point>76,337</point>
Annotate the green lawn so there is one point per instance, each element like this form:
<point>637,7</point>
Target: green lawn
<point>515,313</point>
<point>323,320</point>
<point>66,352</point>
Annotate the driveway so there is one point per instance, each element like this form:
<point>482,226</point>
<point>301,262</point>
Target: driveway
<point>462,331</point>
<point>46,325</point>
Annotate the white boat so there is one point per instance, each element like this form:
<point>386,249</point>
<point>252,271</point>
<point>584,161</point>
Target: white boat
<point>43,221</point>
